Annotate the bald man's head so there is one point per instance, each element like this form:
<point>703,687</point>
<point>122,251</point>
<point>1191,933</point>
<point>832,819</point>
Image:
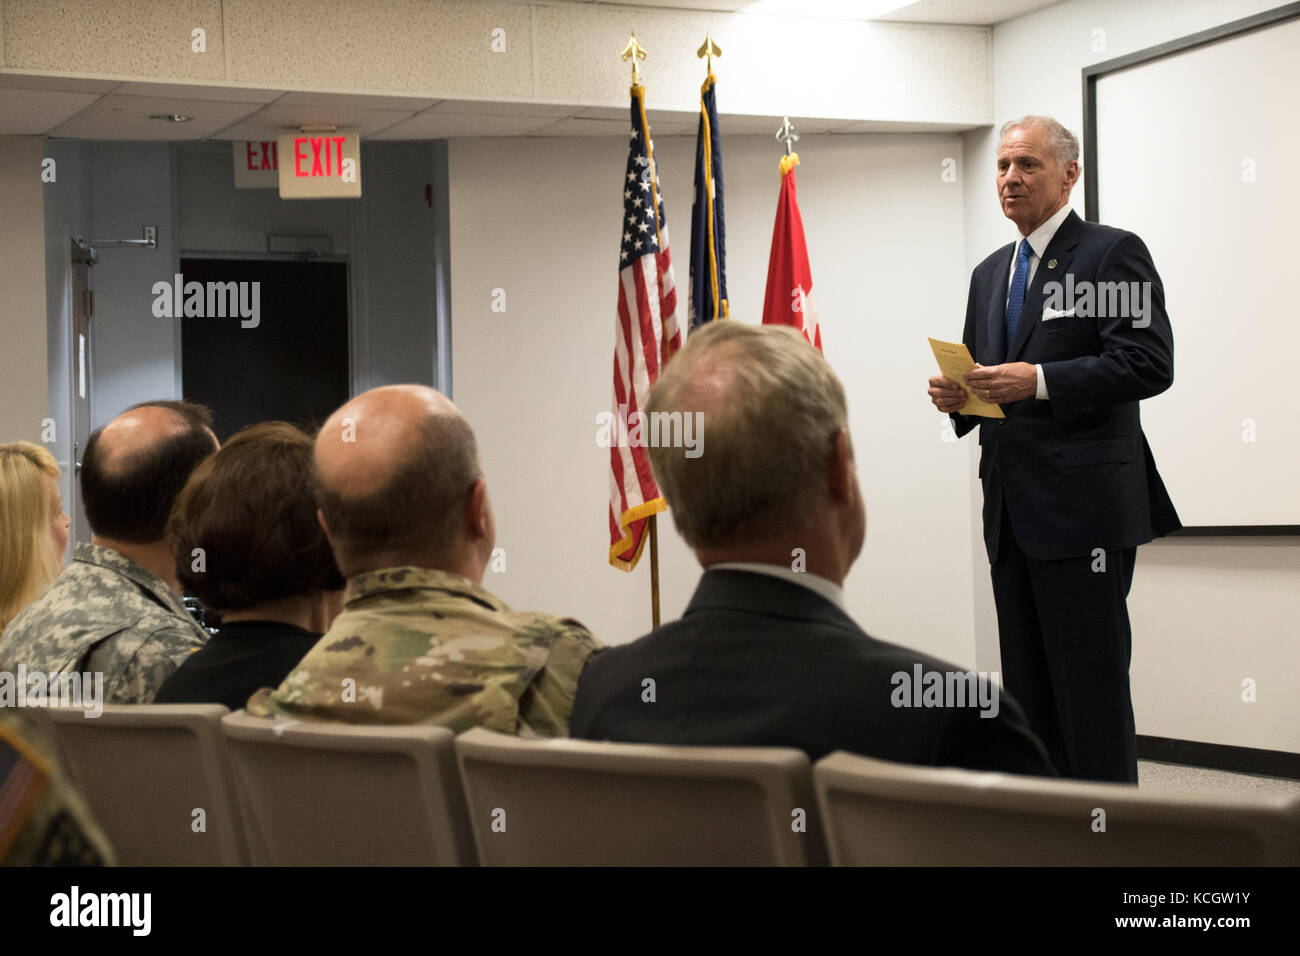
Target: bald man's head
<point>135,466</point>
<point>394,469</point>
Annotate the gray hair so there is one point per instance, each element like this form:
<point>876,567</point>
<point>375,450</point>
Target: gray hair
<point>772,408</point>
<point>1064,144</point>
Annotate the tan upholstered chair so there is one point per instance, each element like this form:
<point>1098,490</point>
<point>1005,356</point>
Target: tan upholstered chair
<point>321,794</point>
<point>886,814</point>
<point>158,780</point>
<point>570,802</point>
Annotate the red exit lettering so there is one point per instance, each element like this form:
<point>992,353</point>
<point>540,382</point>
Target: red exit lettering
<point>261,156</point>
<point>326,156</point>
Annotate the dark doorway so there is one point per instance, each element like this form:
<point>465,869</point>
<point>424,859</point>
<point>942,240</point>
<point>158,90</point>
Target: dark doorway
<point>291,366</point>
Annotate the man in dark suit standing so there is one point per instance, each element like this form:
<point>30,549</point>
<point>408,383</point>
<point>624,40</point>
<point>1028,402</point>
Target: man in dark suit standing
<point>1069,332</point>
<point>765,654</point>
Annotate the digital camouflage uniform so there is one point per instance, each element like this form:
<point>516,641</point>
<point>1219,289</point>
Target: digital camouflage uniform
<point>416,645</point>
<point>43,821</point>
<point>105,613</point>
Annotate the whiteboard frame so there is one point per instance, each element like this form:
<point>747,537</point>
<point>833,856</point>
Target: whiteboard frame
<point>1260,21</point>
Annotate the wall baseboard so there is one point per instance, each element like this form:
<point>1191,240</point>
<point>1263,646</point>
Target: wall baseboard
<point>1268,763</point>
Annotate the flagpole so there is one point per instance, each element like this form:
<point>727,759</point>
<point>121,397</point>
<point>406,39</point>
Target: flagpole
<point>633,52</point>
<point>654,571</point>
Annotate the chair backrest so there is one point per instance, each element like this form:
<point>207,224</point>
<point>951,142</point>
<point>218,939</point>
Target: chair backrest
<point>576,802</point>
<point>323,794</point>
<point>158,780</point>
<point>879,813</point>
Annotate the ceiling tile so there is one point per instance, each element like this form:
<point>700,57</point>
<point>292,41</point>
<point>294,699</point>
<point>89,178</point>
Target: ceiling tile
<point>621,113</point>
<point>186,91</point>
<point>434,125</point>
<point>66,84</point>
<point>580,126</point>
<point>33,112</point>
<point>671,116</point>
<point>888,126</point>
<point>127,117</point>
<point>490,107</point>
<point>357,101</point>
<point>975,12</point>
<point>280,118</point>
<point>725,6</point>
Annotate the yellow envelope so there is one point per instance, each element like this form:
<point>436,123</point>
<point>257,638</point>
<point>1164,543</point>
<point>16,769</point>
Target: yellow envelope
<point>954,362</point>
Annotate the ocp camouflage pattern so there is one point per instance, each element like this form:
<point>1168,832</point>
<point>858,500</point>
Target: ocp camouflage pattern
<point>417,645</point>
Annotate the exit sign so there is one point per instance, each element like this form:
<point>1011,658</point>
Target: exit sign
<point>255,164</point>
<point>319,165</point>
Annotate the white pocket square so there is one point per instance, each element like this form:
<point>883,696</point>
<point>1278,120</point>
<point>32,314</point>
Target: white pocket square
<point>1049,314</point>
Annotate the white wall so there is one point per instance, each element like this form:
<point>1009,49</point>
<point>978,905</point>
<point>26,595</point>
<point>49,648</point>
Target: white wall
<point>1206,613</point>
<point>135,352</point>
<point>67,215</point>
<point>22,300</point>
<point>540,218</point>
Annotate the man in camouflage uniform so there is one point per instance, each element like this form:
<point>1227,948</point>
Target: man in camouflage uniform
<point>405,506</point>
<point>43,820</point>
<point>115,609</point>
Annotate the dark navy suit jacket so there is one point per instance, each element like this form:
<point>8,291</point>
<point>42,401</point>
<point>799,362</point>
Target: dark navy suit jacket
<point>1075,471</point>
<point>758,661</point>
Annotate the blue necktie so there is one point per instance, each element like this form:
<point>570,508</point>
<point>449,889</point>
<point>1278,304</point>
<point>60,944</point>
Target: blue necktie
<point>1016,300</point>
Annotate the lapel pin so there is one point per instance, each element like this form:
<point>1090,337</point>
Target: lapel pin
<point>1051,263</point>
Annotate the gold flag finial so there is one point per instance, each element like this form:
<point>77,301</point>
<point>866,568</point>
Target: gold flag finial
<point>634,51</point>
<point>709,49</point>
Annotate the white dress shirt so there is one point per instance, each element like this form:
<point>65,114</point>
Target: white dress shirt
<point>813,582</point>
<point>1039,240</point>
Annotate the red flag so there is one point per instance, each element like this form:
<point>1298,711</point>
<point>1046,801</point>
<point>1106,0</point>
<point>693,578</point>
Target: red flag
<point>789,299</point>
<point>646,334</point>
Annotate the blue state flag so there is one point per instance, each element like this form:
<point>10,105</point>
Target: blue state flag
<point>708,229</point>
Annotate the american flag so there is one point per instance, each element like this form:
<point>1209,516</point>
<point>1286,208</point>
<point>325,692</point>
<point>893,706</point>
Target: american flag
<point>646,335</point>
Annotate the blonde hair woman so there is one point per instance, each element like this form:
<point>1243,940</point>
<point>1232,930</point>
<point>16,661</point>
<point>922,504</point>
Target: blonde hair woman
<point>33,527</point>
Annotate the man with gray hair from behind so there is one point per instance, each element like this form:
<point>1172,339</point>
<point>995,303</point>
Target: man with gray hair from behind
<point>766,653</point>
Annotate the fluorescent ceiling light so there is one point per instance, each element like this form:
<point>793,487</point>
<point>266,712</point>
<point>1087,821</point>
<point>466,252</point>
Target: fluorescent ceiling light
<point>827,9</point>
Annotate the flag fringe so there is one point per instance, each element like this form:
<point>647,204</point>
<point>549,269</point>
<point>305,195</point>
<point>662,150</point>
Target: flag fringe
<point>630,517</point>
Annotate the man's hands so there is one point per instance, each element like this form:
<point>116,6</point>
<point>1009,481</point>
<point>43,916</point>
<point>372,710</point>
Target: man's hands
<point>1003,383</point>
<point>994,383</point>
<point>946,394</point>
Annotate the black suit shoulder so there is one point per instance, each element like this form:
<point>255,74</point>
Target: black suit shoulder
<point>999,258</point>
<point>781,668</point>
